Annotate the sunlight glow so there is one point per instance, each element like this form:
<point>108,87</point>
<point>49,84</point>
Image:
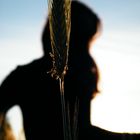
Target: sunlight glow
<point>16,123</point>
<point>116,108</point>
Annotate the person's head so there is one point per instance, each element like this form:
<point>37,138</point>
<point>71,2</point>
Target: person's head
<point>85,24</point>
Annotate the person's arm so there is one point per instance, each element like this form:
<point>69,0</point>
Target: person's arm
<point>8,92</point>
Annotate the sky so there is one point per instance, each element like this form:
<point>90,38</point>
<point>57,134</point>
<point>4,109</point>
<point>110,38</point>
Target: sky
<point>116,51</point>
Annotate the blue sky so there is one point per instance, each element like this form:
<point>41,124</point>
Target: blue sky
<point>116,14</point>
<point>14,10</point>
<point>117,52</point>
<point>24,18</point>
<point>121,12</point>
<point>17,15</point>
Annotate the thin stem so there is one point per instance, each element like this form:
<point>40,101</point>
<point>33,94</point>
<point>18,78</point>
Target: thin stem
<point>61,82</point>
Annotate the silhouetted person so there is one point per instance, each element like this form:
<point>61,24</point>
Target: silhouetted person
<point>38,94</point>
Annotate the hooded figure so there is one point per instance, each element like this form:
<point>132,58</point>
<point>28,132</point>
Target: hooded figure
<point>38,94</point>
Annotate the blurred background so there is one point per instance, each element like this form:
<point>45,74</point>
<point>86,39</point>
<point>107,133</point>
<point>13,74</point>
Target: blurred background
<point>116,51</point>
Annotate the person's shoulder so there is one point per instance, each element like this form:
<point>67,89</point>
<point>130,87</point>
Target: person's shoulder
<point>24,70</point>
<point>101,133</point>
<point>34,65</point>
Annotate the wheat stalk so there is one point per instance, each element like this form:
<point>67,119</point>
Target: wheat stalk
<point>60,24</point>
